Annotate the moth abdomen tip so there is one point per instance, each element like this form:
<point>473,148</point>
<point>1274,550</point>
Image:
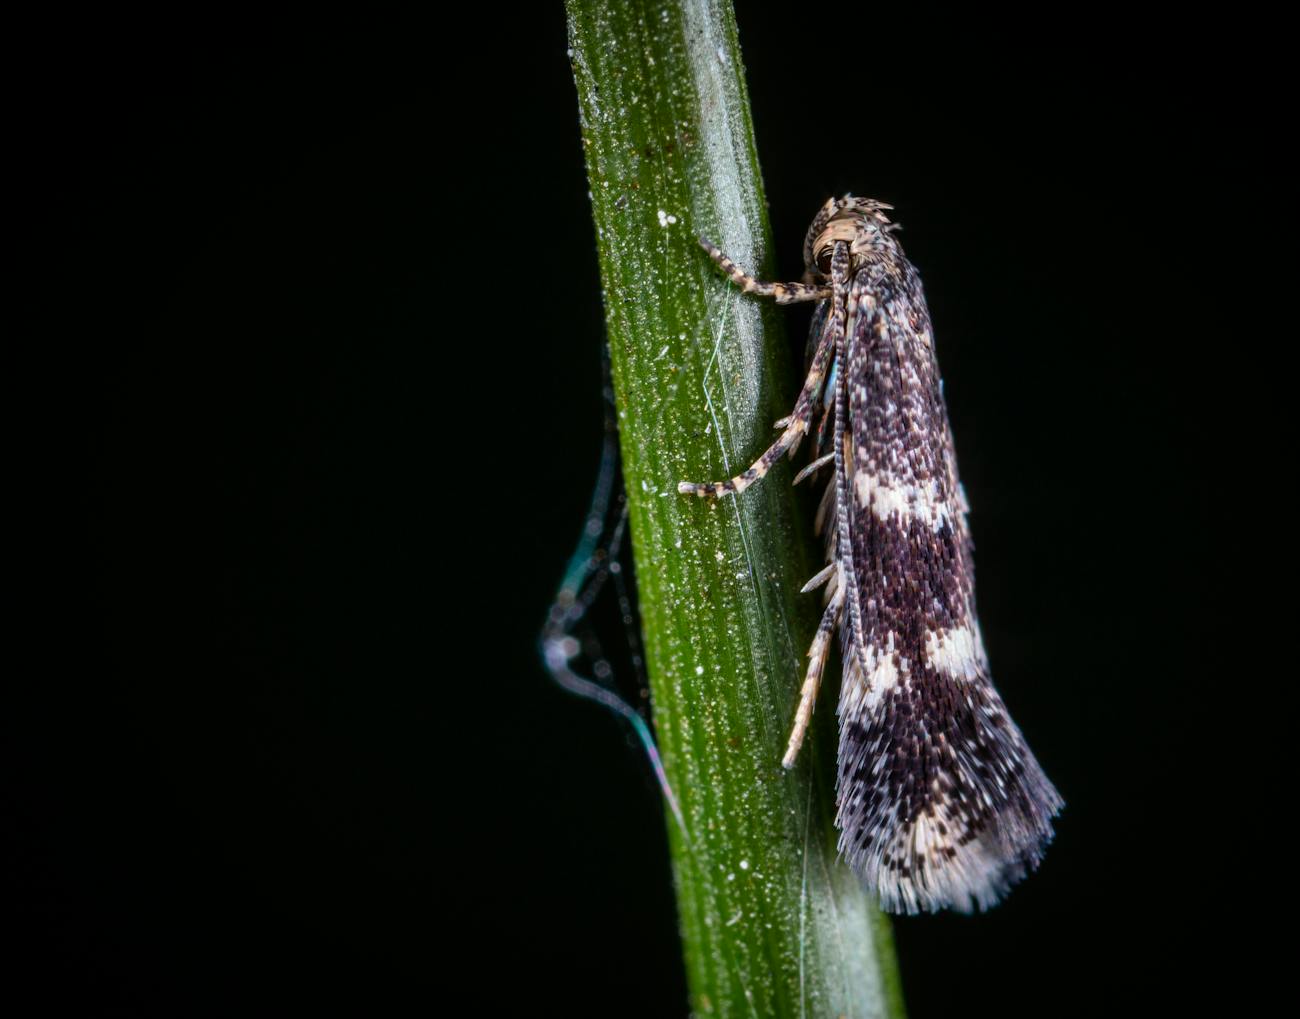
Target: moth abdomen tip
<point>963,852</point>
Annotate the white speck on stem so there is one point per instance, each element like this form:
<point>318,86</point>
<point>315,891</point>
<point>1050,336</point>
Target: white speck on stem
<point>666,219</point>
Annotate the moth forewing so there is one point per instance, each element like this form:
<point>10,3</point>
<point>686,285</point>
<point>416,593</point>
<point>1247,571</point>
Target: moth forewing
<point>940,803</point>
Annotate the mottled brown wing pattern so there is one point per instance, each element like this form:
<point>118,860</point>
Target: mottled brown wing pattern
<point>940,801</point>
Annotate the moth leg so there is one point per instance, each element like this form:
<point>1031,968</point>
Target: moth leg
<point>824,509</point>
<point>818,653</point>
<point>798,424</point>
<point>818,580</point>
<point>814,467</point>
<point>793,434</point>
<point>796,427</point>
<point>785,293</point>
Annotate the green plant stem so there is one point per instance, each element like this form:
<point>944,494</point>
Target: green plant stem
<point>773,924</point>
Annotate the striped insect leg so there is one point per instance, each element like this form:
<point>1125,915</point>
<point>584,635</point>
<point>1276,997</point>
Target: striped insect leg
<point>785,293</point>
<point>797,427</point>
<point>801,417</point>
<point>818,653</point>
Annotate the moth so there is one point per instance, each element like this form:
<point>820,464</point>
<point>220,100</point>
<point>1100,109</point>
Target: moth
<point>939,801</point>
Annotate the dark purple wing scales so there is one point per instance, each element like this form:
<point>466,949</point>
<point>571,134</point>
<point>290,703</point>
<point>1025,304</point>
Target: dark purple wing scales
<point>941,804</point>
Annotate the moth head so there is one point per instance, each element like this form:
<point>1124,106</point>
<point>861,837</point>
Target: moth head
<point>859,222</point>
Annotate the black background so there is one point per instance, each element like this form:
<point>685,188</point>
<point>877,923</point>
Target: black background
<point>334,300</point>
